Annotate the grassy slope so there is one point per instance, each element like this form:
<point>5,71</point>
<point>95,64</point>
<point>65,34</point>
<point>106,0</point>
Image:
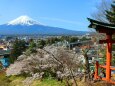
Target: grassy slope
<point>47,82</point>
<point>17,81</point>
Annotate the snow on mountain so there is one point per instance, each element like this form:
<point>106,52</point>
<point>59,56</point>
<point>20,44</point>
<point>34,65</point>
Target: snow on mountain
<point>25,25</point>
<point>23,20</point>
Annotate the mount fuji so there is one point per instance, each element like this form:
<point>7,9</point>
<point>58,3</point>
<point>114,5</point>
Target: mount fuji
<point>25,25</point>
<point>23,20</point>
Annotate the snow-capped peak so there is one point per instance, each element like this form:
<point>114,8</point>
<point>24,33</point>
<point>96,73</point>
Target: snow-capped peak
<point>23,20</point>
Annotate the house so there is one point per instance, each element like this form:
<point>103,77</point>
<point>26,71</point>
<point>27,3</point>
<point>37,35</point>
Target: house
<point>4,58</point>
<point>3,47</point>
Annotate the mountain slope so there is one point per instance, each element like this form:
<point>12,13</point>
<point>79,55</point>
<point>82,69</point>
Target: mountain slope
<point>27,26</point>
<point>23,20</point>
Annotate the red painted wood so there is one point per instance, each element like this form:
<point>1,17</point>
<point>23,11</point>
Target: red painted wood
<point>105,41</point>
<point>112,68</point>
<point>102,29</point>
<point>101,66</point>
<point>108,57</point>
<point>109,32</point>
<point>113,82</point>
<point>96,70</point>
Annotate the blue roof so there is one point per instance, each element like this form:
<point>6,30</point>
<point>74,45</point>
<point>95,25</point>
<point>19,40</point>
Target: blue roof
<point>5,62</point>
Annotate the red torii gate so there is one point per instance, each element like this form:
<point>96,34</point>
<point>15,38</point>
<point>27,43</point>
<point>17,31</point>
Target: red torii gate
<point>109,30</point>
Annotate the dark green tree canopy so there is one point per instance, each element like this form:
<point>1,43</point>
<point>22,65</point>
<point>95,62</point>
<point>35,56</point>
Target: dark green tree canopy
<point>110,14</point>
<point>105,11</point>
<point>19,46</point>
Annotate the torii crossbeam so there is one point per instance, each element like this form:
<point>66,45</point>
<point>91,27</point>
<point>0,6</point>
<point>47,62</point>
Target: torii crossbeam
<point>109,30</point>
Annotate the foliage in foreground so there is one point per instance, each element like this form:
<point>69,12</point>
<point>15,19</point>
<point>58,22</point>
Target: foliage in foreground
<point>51,61</point>
<point>18,81</point>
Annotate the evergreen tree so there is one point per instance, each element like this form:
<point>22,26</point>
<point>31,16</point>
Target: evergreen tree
<point>110,14</point>
<point>41,43</point>
<point>32,44</point>
<point>19,46</point>
<point>32,47</point>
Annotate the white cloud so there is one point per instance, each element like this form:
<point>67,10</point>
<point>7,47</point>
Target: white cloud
<point>62,20</point>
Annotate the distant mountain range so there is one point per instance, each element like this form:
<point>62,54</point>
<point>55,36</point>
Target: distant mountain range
<point>24,25</point>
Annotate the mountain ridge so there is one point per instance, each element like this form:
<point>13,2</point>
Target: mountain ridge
<point>26,25</point>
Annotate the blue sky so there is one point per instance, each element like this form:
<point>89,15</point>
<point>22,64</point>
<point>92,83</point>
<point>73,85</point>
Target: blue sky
<point>69,14</point>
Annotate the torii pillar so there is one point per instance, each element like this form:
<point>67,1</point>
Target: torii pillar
<point>108,57</point>
<point>109,30</point>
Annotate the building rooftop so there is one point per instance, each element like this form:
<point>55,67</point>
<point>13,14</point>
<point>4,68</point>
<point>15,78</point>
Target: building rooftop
<point>4,52</point>
<point>101,26</point>
<point>95,23</point>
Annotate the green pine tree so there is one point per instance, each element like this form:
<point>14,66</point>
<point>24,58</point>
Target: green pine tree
<point>41,43</point>
<point>19,46</point>
<point>110,14</point>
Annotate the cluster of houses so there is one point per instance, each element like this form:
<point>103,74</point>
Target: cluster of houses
<point>77,47</point>
<point>4,56</point>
